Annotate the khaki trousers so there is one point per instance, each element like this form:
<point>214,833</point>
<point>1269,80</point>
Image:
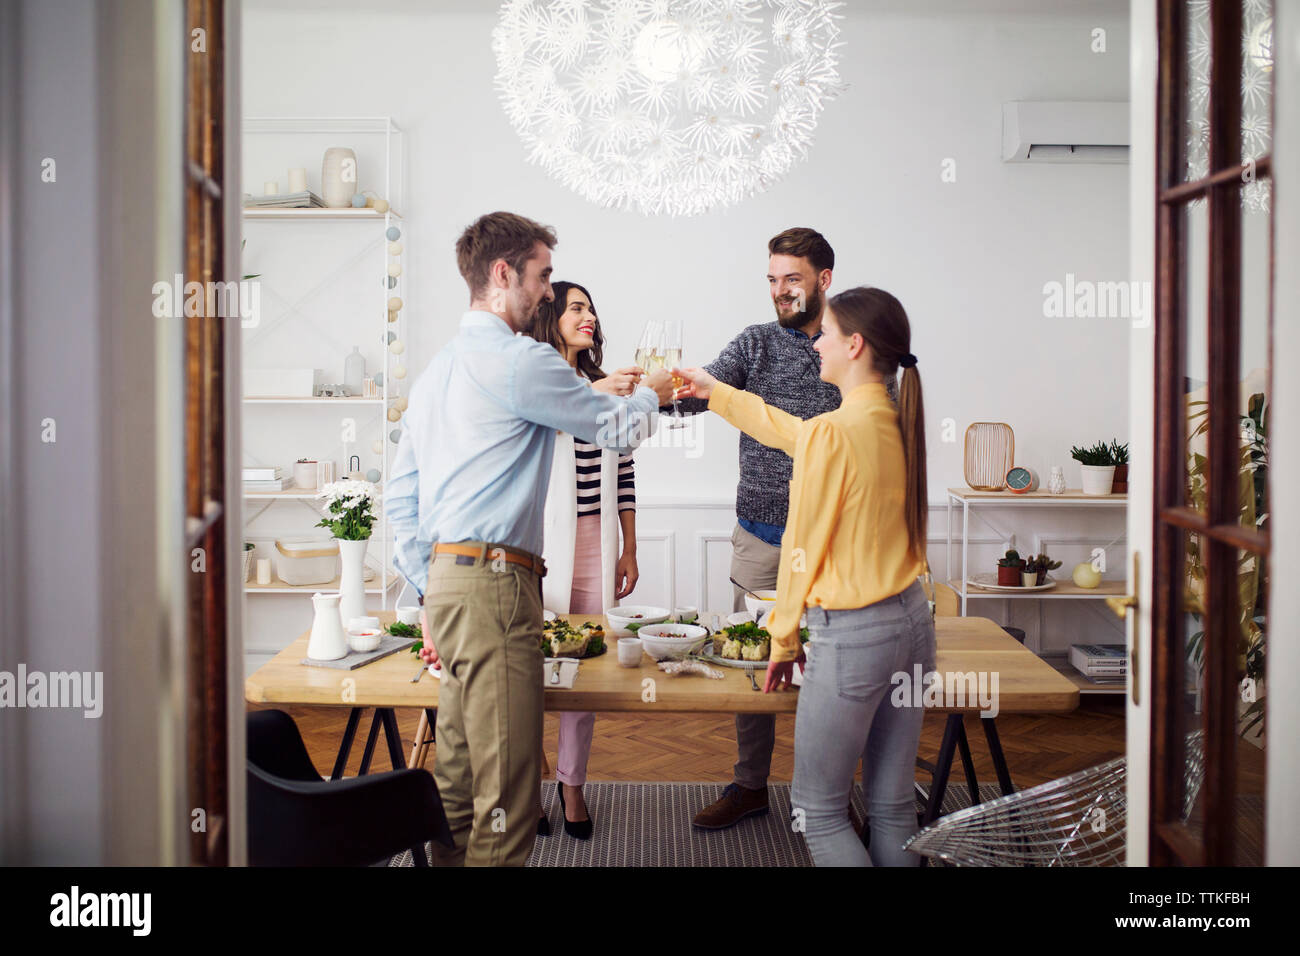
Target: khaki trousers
<point>754,564</point>
<point>485,619</point>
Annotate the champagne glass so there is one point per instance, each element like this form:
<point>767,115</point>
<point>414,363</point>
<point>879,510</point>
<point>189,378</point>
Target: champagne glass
<point>672,352</point>
<point>649,351</point>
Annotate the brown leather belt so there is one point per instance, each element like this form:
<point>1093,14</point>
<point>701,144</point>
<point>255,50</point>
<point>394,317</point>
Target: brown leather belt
<point>491,552</point>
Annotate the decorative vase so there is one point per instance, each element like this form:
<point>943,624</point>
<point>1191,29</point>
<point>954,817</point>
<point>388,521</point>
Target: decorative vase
<point>1056,483</point>
<point>305,474</point>
<point>1097,479</point>
<point>988,452</point>
<point>1120,484</point>
<point>1085,575</point>
<point>1028,579</point>
<point>354,371</point>
<point>352,585</point>
<point>327,642</point>
<point>338,176</point>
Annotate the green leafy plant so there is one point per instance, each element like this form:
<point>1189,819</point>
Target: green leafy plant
<point>1118,452</point>
<point>1099,454</point>
<point>1252,576</point>
<point>1041,562</point>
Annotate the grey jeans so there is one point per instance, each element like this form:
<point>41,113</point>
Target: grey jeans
<point>847,710</point>
<point>754,564</point>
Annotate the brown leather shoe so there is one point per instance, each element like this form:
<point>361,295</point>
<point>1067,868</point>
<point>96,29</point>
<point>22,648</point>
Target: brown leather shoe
<point>734,805</point>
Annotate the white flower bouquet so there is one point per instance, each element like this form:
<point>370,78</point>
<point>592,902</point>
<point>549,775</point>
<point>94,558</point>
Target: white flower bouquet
<point>349,509</point>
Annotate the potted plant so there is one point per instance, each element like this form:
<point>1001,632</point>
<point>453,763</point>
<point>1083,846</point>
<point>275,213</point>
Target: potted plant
<point>1009,569</point>
<point>1119,455</point>
<point>1039,565</point>
<point>1098,468</point>
<point>349,514</point>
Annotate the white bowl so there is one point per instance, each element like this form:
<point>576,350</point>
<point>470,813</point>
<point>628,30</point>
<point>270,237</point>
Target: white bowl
<point>659,642</point>
<point>548,615</point>
<point>757,607</point>
<point>620,617</point>
<point>361,643</point>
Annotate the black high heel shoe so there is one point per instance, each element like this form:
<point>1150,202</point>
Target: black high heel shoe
<point>543,826</point>
<point>580,830</point>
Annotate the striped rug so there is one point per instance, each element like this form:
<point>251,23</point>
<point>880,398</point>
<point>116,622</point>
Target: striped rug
<point>649,824</point>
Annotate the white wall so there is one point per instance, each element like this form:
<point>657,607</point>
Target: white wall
<point>968,259</point>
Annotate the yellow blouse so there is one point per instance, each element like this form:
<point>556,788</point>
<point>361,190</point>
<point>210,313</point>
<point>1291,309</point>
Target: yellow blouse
<point>845,543</point>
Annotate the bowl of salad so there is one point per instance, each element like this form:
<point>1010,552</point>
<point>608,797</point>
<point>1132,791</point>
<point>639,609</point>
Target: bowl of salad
<point>671,642</point>
<point>627,619</point>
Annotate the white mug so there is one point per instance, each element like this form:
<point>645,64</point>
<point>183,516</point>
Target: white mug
<point>409,614</point>
<point>629,651</point>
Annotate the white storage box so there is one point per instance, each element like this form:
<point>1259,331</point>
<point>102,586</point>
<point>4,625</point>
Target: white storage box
<point>281,382</point>
<point>310,561</point>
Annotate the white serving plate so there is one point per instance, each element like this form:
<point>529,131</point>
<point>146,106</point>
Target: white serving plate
<point>989,582</point>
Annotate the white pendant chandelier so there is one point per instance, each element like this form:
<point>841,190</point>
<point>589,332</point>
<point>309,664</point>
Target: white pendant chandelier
<point>666,106</point>
<point>1256,92</point>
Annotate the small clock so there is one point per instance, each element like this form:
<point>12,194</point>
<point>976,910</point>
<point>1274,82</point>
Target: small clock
<point>1020,480</point>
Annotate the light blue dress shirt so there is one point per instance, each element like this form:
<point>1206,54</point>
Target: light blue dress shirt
<point>474,457</point>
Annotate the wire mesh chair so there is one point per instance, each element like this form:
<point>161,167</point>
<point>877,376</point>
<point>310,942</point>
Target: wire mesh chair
<point>1079,820</point>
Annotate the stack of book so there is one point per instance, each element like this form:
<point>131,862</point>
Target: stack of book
<point>1102,663</point>
<point>304,199</point>
<point>265,479</point>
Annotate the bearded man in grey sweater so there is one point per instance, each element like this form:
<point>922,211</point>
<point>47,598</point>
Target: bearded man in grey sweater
<point>777,362</point>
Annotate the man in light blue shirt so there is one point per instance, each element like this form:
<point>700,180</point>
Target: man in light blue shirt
<point>465,499</point>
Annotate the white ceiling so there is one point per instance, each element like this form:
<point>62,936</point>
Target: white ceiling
<point>862,7</point>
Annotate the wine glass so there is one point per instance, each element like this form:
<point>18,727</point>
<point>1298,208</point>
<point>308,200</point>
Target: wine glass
<point>649,351</point>
<point>672,352</point>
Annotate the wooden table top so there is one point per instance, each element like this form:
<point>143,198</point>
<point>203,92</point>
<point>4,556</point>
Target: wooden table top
<point>1025,682</point>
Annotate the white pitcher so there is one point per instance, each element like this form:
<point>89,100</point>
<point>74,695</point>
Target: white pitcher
<point>328,642</point>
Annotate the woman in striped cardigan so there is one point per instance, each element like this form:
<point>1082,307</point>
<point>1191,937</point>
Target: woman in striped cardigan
<point>591,499</point>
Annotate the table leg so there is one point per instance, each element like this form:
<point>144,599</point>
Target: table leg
<point>968,765</point>
<point>999,759</point>
<point>393,735</point>
<point>942,765</point>
<point>373,736</point>
<point>345,748</point>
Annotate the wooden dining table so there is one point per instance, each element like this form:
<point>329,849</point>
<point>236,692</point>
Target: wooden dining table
<point>964,645</point>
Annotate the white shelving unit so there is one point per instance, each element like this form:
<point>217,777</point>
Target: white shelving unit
<point>1066,590</point>
<point>311,135</point>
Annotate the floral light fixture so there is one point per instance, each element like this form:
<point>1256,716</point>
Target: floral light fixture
<point>666,106</point>
<point>1256,91</point>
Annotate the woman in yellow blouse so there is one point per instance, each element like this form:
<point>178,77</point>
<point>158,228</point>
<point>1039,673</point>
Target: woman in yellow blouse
<point>851,555</point>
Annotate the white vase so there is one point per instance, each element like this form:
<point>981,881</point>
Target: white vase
<point>327,642</point>
<point>1097,479</point>
<point>1056,483</point>
<point>352,586</point>
<point>338,176</point>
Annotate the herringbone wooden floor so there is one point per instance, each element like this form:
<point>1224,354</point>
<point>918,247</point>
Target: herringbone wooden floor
<point>703,748</point>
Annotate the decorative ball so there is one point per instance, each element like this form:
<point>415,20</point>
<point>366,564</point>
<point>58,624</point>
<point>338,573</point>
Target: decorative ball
<point>395,435</point>
<point>379,380</point>
<point>393,233</point>
<point>378,446</point>
<point>1086,576</point>
<point>394,415</point>
<point>372,475</point>
<point>397,348</point>
<point>370,202</point>
<point>394,269</point>
<point>392,316</point>
<point>358,201</point>
<point>394,303</point>
<point>394,248</point>
<point>381,206</point>
<point>391,281</point>
<point>400,403</point>
<point>399,371</point>
<point>392,336</point>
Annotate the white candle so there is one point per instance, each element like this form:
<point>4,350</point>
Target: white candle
<point>270,188</point>
<point>263,570</point>
<point>297,180</point>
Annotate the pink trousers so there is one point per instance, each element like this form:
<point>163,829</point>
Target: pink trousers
<point>576,728</point>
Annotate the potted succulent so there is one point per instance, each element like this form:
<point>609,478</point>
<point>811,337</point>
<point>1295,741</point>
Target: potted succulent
<point>1119,454</point>
<point>1036,568</point>
<point>1098,468</point>
<point>1010,567</point>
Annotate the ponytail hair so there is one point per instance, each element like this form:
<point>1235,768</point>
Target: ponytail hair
<point>882,322</point>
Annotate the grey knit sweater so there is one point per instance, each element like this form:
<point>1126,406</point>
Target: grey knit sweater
<point>781,367</point>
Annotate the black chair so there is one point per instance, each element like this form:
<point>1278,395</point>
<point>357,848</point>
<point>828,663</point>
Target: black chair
<point>297,819</point>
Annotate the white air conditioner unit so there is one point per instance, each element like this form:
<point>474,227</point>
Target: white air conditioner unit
<point>1064,132</point>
